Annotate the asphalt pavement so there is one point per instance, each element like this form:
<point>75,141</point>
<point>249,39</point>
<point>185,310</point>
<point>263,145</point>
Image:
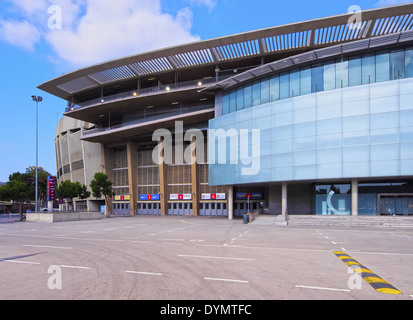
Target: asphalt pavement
<point>197,258</point>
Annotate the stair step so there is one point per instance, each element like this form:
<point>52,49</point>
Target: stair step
<point>340,221</point>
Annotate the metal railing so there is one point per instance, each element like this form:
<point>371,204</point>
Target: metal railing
<point>133,94</point>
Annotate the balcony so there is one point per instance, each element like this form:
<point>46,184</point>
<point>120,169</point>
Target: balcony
<point>129,95</point>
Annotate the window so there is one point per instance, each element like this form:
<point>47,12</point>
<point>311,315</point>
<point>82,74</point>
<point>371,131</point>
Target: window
<point>285,85</point>
<point>396,64</point>
<point>247,96</point>
<point>275,88</point>
<point>305,79</point>
<point>408,62</point>
<point>265,90</point>
<point>225,103</point>
<point>329,75</point>
<point>240,98</point>
<point>368,66</point>
<point>382,66</point>
<point>256,93</point>
<point>295,83</point>
<point>342,73</point>
<point>317,82</point>
<point>233,100</point>
<point>354,71</point>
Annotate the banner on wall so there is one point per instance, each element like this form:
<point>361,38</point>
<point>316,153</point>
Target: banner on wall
<point>213,196</point>
<point>184,196</point>
<point>122,197</point>
<point>149,197</point>
<point>250,196</point>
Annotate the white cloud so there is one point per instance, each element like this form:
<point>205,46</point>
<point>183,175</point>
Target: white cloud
<point>208,3</point>
<point>385,3</point>
<point>19,33</point>
<point>98,30</point>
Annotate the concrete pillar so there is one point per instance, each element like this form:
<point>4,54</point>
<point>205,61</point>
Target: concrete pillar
<point>132,156</point>
<point>230,203</point>
<point>354,197</point>
<point>194,178</point>
<point>162,180</point>
<point>284,202</point>
<point>107,163</point>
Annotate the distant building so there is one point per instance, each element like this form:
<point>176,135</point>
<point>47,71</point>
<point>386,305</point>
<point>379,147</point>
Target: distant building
<point>33,168</point>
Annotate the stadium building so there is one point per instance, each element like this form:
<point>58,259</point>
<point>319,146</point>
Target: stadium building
<point>310,118</point>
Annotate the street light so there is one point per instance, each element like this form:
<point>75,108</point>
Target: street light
<point>37,100</point>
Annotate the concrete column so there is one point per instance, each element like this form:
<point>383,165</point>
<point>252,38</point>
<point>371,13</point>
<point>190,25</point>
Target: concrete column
<point>162,181</point>
<point>354,197</point>
<point>230,205</point>
<point>284,202</point>
<point>107,162</point>
<point>132,156</point>
<point>194,178</point>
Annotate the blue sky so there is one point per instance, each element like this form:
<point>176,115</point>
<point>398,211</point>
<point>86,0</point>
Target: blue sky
<point>34,51</point>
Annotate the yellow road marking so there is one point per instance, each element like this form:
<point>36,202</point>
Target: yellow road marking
<point>371,278</point>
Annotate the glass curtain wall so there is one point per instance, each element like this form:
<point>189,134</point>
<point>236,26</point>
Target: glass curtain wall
<point>343,72</point>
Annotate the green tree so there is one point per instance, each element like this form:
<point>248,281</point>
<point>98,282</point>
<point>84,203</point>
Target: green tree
<point>84,193</point>
<point>71,190</point>
<point>101,186</point>
<point>21,187</point>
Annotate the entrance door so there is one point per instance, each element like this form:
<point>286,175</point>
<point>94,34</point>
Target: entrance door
<point>395,204</point>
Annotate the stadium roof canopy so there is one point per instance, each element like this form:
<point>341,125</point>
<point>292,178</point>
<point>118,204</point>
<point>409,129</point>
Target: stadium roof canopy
<point>273,42</point>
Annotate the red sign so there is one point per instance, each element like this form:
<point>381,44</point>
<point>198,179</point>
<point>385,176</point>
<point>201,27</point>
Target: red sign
<point>149,197</point>
<point>180,196</point>
<point>213,196</point>
<point>249,195</point>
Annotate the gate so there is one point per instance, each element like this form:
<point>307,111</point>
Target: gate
<point>120,209</point>
<point>395,204</point>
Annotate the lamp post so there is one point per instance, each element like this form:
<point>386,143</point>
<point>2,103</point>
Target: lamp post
<point>37,100</point>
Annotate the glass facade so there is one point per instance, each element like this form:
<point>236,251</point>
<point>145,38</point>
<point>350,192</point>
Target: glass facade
<point>371,67</point>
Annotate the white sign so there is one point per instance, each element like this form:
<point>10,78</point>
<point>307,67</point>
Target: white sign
<point>221,196</point>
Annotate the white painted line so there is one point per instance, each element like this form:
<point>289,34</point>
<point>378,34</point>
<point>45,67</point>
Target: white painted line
<point>227,280</point>
<point>162,239</point>
<point>173,243</point>
<point>212,257</point>
<point>50,247</point>
<point>74,267</point>
<point>145,273</point>
<point>17,261</point>
<point>333,242</point>
<point>321,288</point>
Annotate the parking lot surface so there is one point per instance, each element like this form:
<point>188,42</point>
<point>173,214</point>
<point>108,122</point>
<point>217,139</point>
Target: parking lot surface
<point>197,258</point>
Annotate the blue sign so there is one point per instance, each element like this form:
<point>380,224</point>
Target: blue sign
<point>149,197</point>
<point>156,197</point>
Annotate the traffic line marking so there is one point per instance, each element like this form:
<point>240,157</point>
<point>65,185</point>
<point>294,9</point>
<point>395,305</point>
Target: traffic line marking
<point>49,247</point>
<point>145,273</point>
<point>18,261</point>
<point>227,280</point>
<point>321,288</point>
<point>378,283</point>
<point>212,257</point>
<point>74,267</point>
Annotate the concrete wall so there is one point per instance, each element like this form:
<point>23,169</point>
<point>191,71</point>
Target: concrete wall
<point>61,217</point>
